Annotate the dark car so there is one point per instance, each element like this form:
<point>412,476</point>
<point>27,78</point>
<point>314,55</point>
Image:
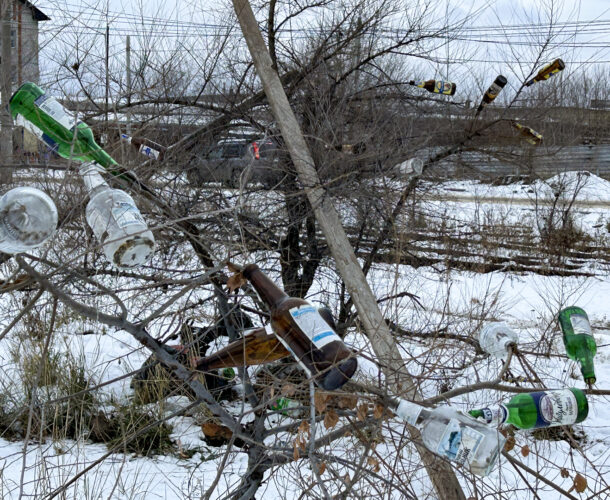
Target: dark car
<point>236,163</point>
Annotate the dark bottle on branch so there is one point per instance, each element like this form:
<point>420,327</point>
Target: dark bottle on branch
<point>529,134</point>
<point>578,340</point>
<point>547,72</point>
<point>492,92</point>
<point>146,147</point>
<point>435,86</point>
<point>538,409</point>
<point>304,333</point>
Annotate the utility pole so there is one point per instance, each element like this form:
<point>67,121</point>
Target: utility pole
<point>441,474</point>
<point>128,70</point>
<point>6,123</point>
<point>107,39</point>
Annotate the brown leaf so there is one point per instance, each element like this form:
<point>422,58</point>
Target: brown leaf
<point>212,429</point>
<point>288,390</point>
<point>378,412</point>
<point>330,419</point>
<point>362,411</point>
<point>304,428</point>
<point>295,453</point>
<point>347,402</point>
<point>510,443</point>
<point>525,450</point>
<point>235,282</point>
<point>320,401</point>
<point>372,461</point>
<point>322,468</point>
<point>234,268</point>
<point>580,483</point>
<point>564,472</point>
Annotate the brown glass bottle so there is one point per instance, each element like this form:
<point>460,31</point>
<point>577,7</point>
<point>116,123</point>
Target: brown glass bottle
<point>304,333</point>
<point>492,92</point>
<point>435,86</point>
<point>547,72</point>
<point>529,134</point>
<point>146,147</point>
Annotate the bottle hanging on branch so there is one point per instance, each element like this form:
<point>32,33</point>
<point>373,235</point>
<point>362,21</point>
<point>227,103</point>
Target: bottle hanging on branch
<point>146,147</point>
<point>529,134</point>
<point>497,339</point>
<point>547,72</point>
<point>492,92</point>
<point>435,86</point>
<point>116,221</point>
<point>578,340</point>
<point>454,435</point>
<point>59,129</point>
<point>304,333</point>
<point>538,409</point>
<point>28,218</point>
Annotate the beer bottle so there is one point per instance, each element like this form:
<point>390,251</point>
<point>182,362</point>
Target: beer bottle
<point>578,340</point>
<point>538,409</point>
<point>492,92</point>
<point>304,333</point>
<point>47,119</point>
<point>547,72</point>
<point>529,134</point>
<point>146,147</point>
<point>435,86</point>
<point>453,435</point>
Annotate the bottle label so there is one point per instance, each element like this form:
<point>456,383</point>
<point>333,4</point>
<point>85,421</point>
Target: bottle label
<point>33,129</point>
<point>308,319</point>
<point>55,110</point>
<point>493,91</point>
<point>580,324</point>
<point>150,152</point>
<point>459,442</point>
<point>408,411</point>
<point>555,408</point>
<point>442,87</point>
<point>126,214</point>
<point>495,416</point>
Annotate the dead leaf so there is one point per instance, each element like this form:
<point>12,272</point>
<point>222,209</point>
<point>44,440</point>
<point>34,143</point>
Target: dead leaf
<point>288,390</point>
<point>234,268</point>
<point>362,411</point>
<point>510,443</point>
<point>525,450</point>
<point>580,483</point>
<point>347,402</point>
<point>564,472</point>
<point>214,430</point>
<point>304,428</point>
<point>322,468</point>
<point>378,412</point>
<point>235,282</point>
<point>330,419</point>
<point>320,401</point>
<point>372,461</point>
<point>295,453</point>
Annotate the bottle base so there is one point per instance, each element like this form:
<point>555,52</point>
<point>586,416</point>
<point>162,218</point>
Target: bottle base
<point>338,375</point>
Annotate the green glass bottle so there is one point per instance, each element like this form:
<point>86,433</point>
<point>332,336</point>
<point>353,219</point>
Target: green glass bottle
<point>578,340</point>
<point>48,120</point>
<point>538,409</point>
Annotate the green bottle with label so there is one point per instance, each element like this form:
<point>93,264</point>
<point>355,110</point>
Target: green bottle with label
<point>538,409</point>
<point>47,119</point>
<point>578,340</point>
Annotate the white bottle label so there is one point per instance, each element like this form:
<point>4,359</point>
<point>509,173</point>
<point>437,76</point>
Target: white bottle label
<point>580,324</point>
<point>55,110</point>
<point>495,416</point>
<point>150,152</point>
<point>459,443</point>
<point>558,407</point>
<point>494,90</point>
<point>313,325</point>
<point>408,411</point>
<point>126,214</point>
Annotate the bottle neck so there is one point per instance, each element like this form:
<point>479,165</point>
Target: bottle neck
<point>90,172</point>
<point>267,290</point>
<point>493,415</point>
<point>586,368</point>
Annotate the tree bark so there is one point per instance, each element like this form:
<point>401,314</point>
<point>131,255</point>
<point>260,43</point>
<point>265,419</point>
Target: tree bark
<point>386,350</point>
<point>6,123</point>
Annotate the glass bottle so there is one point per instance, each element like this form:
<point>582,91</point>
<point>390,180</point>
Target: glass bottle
<point>410,167</point>
<point>547,72</point>
<point>28,218</point>
<point>497,339</point>
<point>435,86</point>
<point>578,340</point>
<point>454,435</point>
<point>529,134</point>
<point>492,92</point>
<point>538,409</point>
<point>146,147</point>
<point>116,221</point>
<point>304,333</point>
<point>59,129</point>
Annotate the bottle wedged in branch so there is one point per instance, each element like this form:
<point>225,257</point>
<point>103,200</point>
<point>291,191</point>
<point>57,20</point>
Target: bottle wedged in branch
<point>454,435</point>
<point>492,92</point>
<point>529,134</point>
<point>578,340</point>
<point>538,409</point>
<point>304,333</point>
<point>547,72</point>
<point>146,147</point>
<point>435,86</point>
<point>116,221</point>
<point>497,339</point>
<point>59,129</point>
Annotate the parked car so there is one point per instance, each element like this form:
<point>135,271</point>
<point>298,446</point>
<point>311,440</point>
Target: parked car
<point>238,162</point>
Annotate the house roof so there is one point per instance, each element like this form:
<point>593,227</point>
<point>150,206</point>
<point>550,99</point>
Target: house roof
<point>37,14</point>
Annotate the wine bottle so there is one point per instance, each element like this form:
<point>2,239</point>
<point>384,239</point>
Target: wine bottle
<point>578,340</point>
<point>60,130</point>
<point>529,134</point>
<point>28,218</point>
<point>304,333</point>
<point>492,92</point>
<point>146,147</point>
<point>454,435</point>
<point>547,72</point>
<point>497,339</point>
<point>435,86</point>
<point>116,221</point>
<point>538,409</point>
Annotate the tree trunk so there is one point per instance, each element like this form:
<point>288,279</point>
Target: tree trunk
<point>6,123</point>
<point>386,350</point>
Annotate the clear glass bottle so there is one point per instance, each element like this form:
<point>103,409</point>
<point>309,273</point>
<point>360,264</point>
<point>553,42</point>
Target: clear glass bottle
<point>454,435</point>
<point>410,167</point>
<point>146,147</point>
<point>497,338</point>
<point>578,340</point>
<point>116,221</point>
<point>28,218</point>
